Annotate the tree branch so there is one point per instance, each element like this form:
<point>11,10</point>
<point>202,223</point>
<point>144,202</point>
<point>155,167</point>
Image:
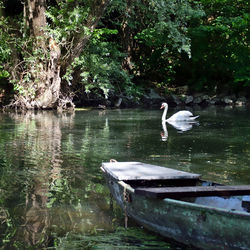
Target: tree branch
<point>97,10</point>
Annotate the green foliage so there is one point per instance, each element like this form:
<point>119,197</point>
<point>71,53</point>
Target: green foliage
<point>22,62</point>
<point>168,26</point>
<point>66,20</point>
<point>136,41</point>
<point>3,73</point>
<point>5,49</point>
<point>161,35</point>
<point>100,66</point>
<point>220,46</point>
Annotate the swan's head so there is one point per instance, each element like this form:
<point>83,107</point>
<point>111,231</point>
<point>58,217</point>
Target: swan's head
<point>164,105</point>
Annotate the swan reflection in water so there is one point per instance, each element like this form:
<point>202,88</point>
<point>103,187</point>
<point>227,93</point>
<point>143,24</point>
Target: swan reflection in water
<point>182,121</point>
<point>181,126</point>
<point>164,134</point>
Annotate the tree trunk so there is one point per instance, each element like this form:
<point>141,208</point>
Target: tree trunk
<point>39,85</point>
<point>127,37</point>
<point>97,9</point>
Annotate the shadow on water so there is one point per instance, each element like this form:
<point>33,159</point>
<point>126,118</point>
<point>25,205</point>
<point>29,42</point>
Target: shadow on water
<point>53,195</point>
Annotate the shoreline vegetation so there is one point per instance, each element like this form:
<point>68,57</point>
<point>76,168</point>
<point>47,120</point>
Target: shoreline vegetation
<point>116,54</point>
<point>153,99</point>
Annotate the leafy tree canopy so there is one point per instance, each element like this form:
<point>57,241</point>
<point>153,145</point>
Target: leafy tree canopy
<point>55,52</point>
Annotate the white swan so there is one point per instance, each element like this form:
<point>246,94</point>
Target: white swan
<point>182,115</point>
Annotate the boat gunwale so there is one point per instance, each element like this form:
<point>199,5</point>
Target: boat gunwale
<point>196,206</point>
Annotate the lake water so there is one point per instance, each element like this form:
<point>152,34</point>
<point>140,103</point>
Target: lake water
<point>52,192</point>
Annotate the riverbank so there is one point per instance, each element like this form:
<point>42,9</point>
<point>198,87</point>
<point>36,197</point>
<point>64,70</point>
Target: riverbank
<point>153,99</point>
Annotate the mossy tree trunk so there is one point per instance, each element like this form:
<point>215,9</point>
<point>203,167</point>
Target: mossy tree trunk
<point>38,77</point>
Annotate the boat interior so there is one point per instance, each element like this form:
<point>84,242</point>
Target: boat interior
<point>232,198</point>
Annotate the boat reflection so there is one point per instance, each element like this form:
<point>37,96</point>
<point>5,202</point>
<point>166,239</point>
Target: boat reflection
<point>181,126</point>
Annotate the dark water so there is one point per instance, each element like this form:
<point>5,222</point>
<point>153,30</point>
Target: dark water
<point>52,193</point>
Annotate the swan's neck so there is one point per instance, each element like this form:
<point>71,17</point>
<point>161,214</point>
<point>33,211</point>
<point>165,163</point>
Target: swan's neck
<point>164,113</point>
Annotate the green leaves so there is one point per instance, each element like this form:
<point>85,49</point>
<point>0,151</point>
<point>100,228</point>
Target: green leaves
<point>164,37</point>
<point>220,46</point>
<point>134,41</point>
<point>67,20</point>
<point>5,50</point>
<point>167,27</point>
<point>3,73</point>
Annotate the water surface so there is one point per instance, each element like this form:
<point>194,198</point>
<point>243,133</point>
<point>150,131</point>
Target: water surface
<point>53,194</point>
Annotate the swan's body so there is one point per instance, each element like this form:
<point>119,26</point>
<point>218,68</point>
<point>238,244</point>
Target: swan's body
<point>182,115</point>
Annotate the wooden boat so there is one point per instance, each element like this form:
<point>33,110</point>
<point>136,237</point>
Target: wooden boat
<point>180,206</point>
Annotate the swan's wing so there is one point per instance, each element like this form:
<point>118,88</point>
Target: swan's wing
<point>184,113</point>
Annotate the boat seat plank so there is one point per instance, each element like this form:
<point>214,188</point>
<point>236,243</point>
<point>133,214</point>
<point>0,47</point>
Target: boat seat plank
<point>124,171</point>
<point>194,191</point>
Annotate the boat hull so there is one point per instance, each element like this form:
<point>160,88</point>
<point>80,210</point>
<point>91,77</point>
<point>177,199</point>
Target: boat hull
<point>189,223</point>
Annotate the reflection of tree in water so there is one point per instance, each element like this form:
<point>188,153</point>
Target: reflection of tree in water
<point>37,142</point>
<point>48,201</point>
